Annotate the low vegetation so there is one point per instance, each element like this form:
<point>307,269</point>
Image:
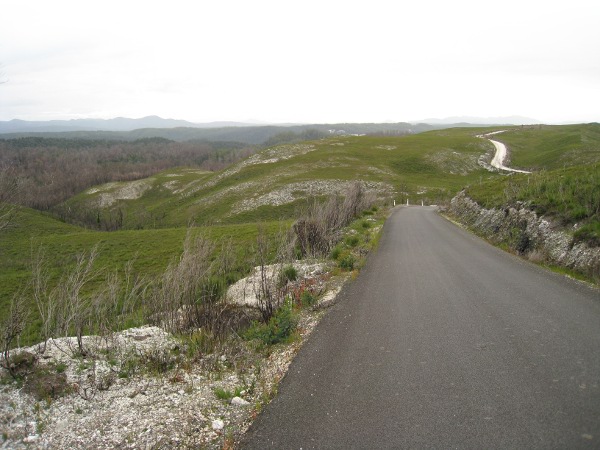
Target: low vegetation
<point>88,297</point>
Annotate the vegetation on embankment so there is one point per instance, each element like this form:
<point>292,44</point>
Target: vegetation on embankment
<point>570,198</point>
<point>148,251</point>
<point>549,217</point>
<point>219,380</point>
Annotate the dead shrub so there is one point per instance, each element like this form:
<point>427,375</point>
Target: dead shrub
<point>10,330</point>
<point>272,256</point>
<point>320,227</point>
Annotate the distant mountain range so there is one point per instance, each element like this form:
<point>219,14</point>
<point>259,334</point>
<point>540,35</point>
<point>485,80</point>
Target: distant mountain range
<point>508,120</point>
<point>181,130</point>
<point>126,124</point>
<point>117,124</point>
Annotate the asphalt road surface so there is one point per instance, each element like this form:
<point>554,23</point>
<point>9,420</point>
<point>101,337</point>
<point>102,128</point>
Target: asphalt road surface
<point>444,341</point>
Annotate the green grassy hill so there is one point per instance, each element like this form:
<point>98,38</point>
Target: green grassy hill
<point>273,183</point>
<point>552,147</point>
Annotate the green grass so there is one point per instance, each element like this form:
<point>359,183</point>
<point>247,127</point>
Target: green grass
<point>151,250</point>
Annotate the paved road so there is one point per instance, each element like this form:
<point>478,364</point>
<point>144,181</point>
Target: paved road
<point>444,342</point>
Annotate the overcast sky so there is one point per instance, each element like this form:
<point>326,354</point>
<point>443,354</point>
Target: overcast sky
<point>300,61</point>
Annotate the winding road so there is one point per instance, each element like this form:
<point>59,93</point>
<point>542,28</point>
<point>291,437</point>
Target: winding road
<point>500,155</point>
<point>444,341</point>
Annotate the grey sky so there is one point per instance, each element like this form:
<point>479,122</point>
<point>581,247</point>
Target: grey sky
<point>309,61</point>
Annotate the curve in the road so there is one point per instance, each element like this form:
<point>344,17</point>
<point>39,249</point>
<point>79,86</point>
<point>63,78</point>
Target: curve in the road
<point>500,155</point>
<point>444,341</point>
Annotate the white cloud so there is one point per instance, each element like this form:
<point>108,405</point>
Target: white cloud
<point>307,61</point>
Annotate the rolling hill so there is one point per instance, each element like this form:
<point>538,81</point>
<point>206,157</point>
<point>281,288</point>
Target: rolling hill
<point>273,183</point>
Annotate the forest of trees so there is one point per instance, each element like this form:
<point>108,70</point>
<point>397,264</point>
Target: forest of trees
<point>49,171</point>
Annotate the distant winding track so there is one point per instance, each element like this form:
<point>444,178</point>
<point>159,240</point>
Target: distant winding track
<point>444,341</point>
<point>501,152</point>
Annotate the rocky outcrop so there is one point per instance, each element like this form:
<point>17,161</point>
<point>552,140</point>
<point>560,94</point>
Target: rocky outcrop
<point>524,232</point>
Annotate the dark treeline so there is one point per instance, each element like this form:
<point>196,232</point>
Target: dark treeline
<point>52,170</point>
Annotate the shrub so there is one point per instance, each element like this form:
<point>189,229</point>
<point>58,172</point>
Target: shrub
<point>198,343</point>
<point>352,241</point>
<point>589,233</point>
<point>347,262</point>
<point>279,328</point>
<point>307,299</point>
<point>321,226</point>
<point>44,384</point>
<point>223,394</point>
<point>336,252</point>
<point>287,274</point>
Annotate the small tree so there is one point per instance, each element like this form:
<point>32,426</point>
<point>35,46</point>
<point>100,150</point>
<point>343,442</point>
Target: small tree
<point>73,307</point>
<point>11,328</point>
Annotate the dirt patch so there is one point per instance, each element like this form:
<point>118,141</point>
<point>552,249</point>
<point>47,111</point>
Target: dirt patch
<point>112,192</point>
<point>305,189</point>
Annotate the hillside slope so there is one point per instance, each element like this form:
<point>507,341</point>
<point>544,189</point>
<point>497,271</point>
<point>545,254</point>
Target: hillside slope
<point>272,184</point>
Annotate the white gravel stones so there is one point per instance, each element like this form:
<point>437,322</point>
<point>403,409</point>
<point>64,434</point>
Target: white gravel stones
<point>243,292</point>
<point>238,401</point>
<point>218,425</point>
<point>177,409</point>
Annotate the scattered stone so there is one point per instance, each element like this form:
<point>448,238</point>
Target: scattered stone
<point>218,425</point>
<point>238,401</point>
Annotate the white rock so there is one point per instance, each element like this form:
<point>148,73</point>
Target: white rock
<point>238,401</point>
<point>218,424</point>
<point>30,439</point>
